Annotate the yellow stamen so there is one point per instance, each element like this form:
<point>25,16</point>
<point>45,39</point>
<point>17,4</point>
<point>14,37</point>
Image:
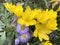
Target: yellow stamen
<point>24,36</point>
<point>22,27</point>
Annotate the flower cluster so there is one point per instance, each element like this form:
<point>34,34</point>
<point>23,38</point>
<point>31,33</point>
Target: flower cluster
<point>44,20</point>
<point>22,29</point>
<point>24,34</point>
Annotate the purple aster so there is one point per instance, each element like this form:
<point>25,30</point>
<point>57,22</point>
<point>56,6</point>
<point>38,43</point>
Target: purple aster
<point>22,29</point>
<point>24,37</point>
<point>17,41</point>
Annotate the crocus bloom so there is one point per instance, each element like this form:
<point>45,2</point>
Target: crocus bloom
<point>46,23</point>
<point>16,9</point>
<point>17,41</point>
<point>44,20</point>
<point>24,37</point>
<point>27,17</point>
<point>47,43</point>
<point>22,29</point>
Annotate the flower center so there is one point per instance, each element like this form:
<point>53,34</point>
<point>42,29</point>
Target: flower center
<point>24,36</point>
<point>22,27</point>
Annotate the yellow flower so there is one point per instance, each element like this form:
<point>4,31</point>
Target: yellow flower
<point>9,7</point>
<point>41,32</point>
<point>44,20</point>
<point>27,17</point>
<point>46,23</point>
<point>16,9</point>
<point>47,43</point>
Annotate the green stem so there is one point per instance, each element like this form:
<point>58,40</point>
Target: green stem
<point>46,3</point>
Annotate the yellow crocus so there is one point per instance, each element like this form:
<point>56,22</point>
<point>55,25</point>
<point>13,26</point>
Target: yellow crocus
<point>47,43</point>
<point>46,23</point>
<point>27,17</point>
<point>9,6</point>
<point>16,9</point>
<point>44,20</point>
<point>41,32</point>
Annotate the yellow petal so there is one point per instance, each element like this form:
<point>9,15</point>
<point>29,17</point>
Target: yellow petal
<point>43,16</point>
<point>42,28</point>
<point>35,33</point>
<point>52,24</point>
<point>52,14</point>
<point>9,7</point>
<point>20,21</point>
<point>28,9</point>
<point>40,37</point>
<point>31,22</point>
<point>47,43</point>
<point>25,22</point>
<point>18,10</point>
<point>43,36</point>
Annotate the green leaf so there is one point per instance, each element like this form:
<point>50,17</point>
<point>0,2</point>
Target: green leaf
<point>1,25</point>
<point>2,38</point>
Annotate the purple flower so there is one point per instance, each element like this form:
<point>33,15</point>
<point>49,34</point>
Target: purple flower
<point>22,29</point>
<point>17,41</point>
<point>24,37</point>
